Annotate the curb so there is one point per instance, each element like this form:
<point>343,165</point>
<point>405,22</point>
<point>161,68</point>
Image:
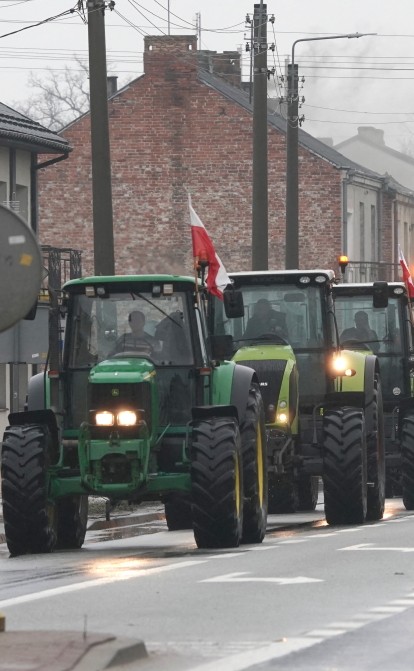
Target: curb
<point>68,650</point>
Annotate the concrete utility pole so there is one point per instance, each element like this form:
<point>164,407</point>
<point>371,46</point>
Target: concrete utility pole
<point>260,198</point>
<point>292,132</point>
<point>104,257</point>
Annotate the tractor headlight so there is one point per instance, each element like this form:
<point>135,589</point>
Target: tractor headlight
<point>282,418</point>
<point>126,418</point>
<point>104,418</point>
<point>340,367</point>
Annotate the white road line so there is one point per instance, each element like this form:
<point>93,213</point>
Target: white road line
<point>87,584</point>
<point>241,577</point>
<point>247,659</point>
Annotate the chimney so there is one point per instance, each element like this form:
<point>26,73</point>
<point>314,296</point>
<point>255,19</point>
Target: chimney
<point>111,86</point>
<point>164,54</point>
<point>226,65</point>
<point>374,135</point>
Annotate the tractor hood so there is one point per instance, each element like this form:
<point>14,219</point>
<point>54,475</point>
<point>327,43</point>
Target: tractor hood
<point>122,370</point>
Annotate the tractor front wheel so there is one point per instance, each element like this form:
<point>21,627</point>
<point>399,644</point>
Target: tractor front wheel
<point>376,458</point>
<point>254,455</point>
<point>217,483</point>
<point>29,518</point>
<point>344,466</point>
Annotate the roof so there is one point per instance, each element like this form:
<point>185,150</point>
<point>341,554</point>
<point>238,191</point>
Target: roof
<point>18,130</point>
<point>274,119</point>
<point>361,139</point>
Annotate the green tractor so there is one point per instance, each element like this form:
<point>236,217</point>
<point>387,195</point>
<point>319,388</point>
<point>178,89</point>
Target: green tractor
<point>390,336</point>
<point>153,413</point>
<point>323,404</point>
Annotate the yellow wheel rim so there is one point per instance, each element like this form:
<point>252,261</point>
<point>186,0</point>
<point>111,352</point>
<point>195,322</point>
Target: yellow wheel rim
<point>260,478</point>
<point>237,485</point>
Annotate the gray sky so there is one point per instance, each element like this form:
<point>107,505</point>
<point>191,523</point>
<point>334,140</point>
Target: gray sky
<point>369,81</point>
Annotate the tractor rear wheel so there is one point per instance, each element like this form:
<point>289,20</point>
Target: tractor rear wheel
<point>407,461</point>
<point>376,458</point>
<point>29,519</point>
<point>178,512</point>
<point>217,483</point>
<point>344,466</point>
<point>72,520</point>
<point>254,457</point>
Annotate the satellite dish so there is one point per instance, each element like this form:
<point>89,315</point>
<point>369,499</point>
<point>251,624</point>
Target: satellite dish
<point>20,268</point>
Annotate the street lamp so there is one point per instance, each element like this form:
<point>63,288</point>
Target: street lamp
<point>292,181</point>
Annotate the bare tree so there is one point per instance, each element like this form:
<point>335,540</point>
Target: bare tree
<point>60,98</point>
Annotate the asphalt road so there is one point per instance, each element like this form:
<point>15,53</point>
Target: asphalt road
<point>310,597</point>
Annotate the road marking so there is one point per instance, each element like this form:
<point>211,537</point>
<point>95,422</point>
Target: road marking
<point>115,577</point>
<point>239,577</point>
<point>250,658</point>
<point>371,547</point>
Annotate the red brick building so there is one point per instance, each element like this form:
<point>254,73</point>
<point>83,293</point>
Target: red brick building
<point>178,129</point>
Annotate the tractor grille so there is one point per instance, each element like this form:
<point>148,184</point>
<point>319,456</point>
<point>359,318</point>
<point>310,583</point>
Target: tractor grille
<point>270,374</point>
<point>114,397</point>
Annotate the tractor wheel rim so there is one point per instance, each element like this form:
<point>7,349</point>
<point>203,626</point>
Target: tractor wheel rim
<point>260,478</point>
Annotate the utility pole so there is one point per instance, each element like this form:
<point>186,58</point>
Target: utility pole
<point>260,198</point>
<point>292,133</point>
<point>104,257</point>
<point>292,172</point>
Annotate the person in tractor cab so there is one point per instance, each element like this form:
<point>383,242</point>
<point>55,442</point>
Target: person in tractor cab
<point>361,331</point>
<point>266,320</point>
<point>138,339</point>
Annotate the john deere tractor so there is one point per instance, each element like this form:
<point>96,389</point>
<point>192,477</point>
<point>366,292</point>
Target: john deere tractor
<point>390,336</point>
<point>155,415</point>
<point>323,404</point>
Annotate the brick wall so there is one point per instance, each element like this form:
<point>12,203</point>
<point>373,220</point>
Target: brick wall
<point>170,134</point>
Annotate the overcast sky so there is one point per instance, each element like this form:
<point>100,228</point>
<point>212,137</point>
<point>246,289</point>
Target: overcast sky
<point>348,83</point>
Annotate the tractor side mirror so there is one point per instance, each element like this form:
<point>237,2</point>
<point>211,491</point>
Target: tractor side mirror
<point>233,303</point>
<point>380,295</point>
<point>221,347</point>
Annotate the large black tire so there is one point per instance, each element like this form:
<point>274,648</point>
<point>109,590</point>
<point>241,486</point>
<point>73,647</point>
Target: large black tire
<point>254,458</point>
<point>217,483</point>
<point>178,512</point>
<point>72,520</point>
<point>283,494</point>
<point>376,457</point>
<point>407,461</point>
<point>345,466</point>
<point>308,491</point>
<point>29,519</point>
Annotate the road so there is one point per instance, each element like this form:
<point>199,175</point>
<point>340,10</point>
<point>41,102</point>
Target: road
<point>310,597</point>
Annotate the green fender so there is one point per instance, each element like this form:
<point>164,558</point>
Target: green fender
<point>231,385</point>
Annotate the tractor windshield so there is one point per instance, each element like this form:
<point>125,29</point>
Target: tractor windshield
<point>382,330</point>
<point>290,313</point>
<point>121,324</point>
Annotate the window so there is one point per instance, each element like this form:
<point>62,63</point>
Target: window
<point>362,231</point>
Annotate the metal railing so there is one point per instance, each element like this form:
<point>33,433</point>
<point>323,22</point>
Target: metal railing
<point>372,271</point>
<point>61,265</point>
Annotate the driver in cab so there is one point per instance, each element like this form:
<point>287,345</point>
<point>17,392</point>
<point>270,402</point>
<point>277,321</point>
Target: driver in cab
<point>361,331</point>
<point>265,320</point>
<point>138,339</point>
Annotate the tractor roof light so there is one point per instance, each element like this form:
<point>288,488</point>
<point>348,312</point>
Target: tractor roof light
<point>320,279</point>
<point>343,262</point>
<point>398,291</point>
<point>304,279</point>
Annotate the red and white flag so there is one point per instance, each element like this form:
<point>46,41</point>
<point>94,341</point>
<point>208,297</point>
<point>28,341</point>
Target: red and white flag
<point>203,250</point>
<point>406,274</point>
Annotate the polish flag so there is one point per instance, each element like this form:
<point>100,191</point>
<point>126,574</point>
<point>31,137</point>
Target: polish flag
<point>406,275</point>
<point>203,250</point>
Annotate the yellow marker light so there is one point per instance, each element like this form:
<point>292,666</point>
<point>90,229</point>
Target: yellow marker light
<point>126,418</point>
<point>104,418</point>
